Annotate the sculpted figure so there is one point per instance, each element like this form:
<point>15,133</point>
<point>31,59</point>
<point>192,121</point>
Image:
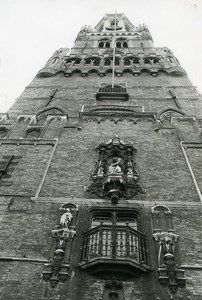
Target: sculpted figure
<point>66,218</point>
<point>115,166</point>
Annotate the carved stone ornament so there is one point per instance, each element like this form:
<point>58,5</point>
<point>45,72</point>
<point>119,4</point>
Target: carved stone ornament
<point>115,175</point>
<point>169,272</point>
<point>57,268</point>
<point>113,289</point>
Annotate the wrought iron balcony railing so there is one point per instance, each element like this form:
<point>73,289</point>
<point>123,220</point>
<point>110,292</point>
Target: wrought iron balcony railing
<point>114,245</point>
<point>112,93</point>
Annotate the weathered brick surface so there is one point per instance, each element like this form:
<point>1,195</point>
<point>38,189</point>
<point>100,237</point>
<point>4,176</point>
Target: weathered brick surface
<point>26,221</point>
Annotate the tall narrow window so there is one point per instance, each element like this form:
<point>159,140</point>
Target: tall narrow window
<point>107,44</point>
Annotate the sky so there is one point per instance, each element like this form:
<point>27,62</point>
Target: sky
<point>31,31</point>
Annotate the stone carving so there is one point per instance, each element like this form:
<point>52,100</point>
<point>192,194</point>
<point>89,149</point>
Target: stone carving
<point>169,272</point>
<point>115,175</point>
<point>113,289</point>
<point>143,31</point>
<point>57,268</point>
<point>83,33</point>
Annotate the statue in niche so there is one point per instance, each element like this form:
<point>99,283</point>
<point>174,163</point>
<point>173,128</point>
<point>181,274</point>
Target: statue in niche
<point>115,166</point>
<point>66,219</point>
<point>115,175</point>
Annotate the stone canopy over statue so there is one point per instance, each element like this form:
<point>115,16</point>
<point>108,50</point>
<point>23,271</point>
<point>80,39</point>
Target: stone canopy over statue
<point>115,175</point>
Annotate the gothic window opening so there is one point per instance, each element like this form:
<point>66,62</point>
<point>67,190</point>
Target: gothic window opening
<point>127,62</point>
<point>76,62</point>
<point>107,62</point>
<point>87,62</point>
<point>108,45</point>
<point>156,61</point>
<point>136,61</point>
<point>147,61</point>
<point>105,43</point>
<point>121,43</point>
<point>101,45</point>
<point>96,62</point>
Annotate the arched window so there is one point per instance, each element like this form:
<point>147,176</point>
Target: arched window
<point>136,61</point>
<point>107,62</point>
<point>125,45</point>
<point>147,61</point>
<point>101,45</point>
<point>96,62</point>
<point>87,62</point>
<point>107,44</point>
<point>116,62</point>
<point>127,62</point>
<point>118,45</point>
<point>156,61</point>
<point>76,62</point>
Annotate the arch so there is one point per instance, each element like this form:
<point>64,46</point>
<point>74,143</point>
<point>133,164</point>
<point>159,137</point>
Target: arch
<point>147,61</point>
<point>101,45</point>
<point>156,60</point>
<point>87,61</point>
<point>48,110</point>
<point>77,71</point>
<point>77,61</point>
<point>170,109</point>
<point>107,62</point>
<point>125,71</point>
<point>3,131</point>
<point>136,60</point>
<point>127,62</point>
<point>93,71</point>
<point>69,205</point>
<point>125,45</point>
<point>96,61</point>
<point>144,70</point>
<point>160,207</point>
<point>33,132</point>
<point>108,71</point>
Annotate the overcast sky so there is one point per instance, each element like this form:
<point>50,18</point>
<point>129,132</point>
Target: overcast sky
<point>31,31</point>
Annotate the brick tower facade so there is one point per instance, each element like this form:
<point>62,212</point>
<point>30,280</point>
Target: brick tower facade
<point>101,178</point>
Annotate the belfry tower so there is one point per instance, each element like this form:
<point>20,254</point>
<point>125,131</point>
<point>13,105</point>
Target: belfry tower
<point>101,174</point>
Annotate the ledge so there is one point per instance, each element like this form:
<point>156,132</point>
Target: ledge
<point>124,266</point>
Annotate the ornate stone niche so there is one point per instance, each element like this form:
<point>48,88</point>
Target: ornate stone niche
<point>115,175</point>
<point>59,263</point>
<point>170,273</point>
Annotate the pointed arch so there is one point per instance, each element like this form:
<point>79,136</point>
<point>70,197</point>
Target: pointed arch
<point>47,111</point>
<point>169,109</point>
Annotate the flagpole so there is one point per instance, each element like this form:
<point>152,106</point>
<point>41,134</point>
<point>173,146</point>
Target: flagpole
<point>114,52</point>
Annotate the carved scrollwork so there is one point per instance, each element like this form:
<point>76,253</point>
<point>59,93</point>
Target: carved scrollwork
<point>115,175</point>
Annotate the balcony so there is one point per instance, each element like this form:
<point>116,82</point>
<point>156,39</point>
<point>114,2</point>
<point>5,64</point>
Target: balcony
<point>114,249</point>
<point>112,93</point>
